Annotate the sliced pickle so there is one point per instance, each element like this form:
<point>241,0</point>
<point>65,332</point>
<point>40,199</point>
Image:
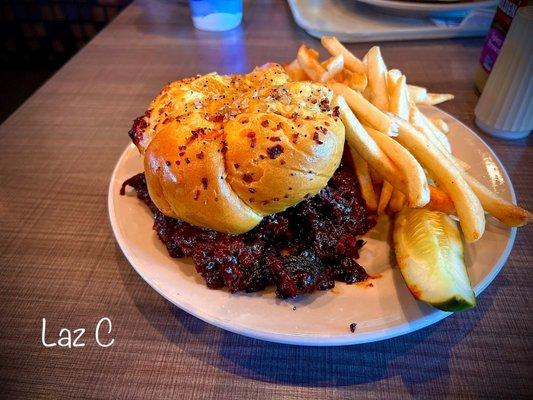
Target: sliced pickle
<point>429,252</point>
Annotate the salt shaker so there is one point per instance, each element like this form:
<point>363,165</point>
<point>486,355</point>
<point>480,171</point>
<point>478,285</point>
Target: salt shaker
<point>505,108</point>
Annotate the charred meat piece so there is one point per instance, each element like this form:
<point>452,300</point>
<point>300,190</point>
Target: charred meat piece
<point>302,249</point>
<point>300,273</point>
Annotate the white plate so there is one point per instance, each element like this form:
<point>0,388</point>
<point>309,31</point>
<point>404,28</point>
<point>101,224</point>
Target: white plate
<point>355,22</point>
<point>321,319</point>
<point>411,8</point>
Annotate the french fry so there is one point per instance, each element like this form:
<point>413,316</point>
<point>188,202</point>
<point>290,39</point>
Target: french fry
<point>377,79</point>
<point>460,163</point>
<point>328,61</point>
<point>343,77</point>
<point>437,98</point>
<point>335,48</point>
<point>417,169</point>
<point>333,66</point>
<point>417,94</point>
<point>309,64</point>
<point>399,96</point>
<point>313,53</point>
<point>363,108</point>
<point>384,197</point>
<point>295,72</point>
<point>353,80</point>
<point>441,124</point>
<point>358,138</point>
<point>503,210</point>
<point>365,182</point>
<point>506,212</point>
<point>437,138</point>
<point>434,135</point>
<point>440,201</point>
<point>397,201</point>
<point>417,190</point>
<point>420,122</point>
<point>366,93</point>
<point>436,131</point>
<point>393,75</point>
<point>469,209</point>
<point>376,178</point>
<point>357,81</point>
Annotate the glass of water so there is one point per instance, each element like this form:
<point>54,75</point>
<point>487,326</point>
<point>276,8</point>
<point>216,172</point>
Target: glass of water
<point>216,15</point>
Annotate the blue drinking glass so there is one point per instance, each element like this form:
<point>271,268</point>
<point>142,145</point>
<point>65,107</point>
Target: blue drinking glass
<point>216,15</point>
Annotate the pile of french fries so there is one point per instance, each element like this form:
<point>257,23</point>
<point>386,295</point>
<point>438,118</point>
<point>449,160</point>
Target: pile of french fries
<point>402,158</point>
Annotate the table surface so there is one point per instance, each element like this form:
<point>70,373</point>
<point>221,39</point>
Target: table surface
<point>59,259</point>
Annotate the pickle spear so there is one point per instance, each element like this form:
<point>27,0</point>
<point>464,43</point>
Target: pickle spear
<point>430,255</point>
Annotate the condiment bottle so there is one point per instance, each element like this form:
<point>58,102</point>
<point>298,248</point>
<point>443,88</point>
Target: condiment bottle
<point>505,108</point>
<point>494,41</point>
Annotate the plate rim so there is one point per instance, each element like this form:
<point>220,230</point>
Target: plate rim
<point>312,339</point>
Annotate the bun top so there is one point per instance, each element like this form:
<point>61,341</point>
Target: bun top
<point>222,152</point>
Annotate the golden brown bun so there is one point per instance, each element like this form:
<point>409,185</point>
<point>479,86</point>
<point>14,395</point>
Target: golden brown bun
<point>187,180</point>
<point>282,168</point>
<point>221,152</point>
